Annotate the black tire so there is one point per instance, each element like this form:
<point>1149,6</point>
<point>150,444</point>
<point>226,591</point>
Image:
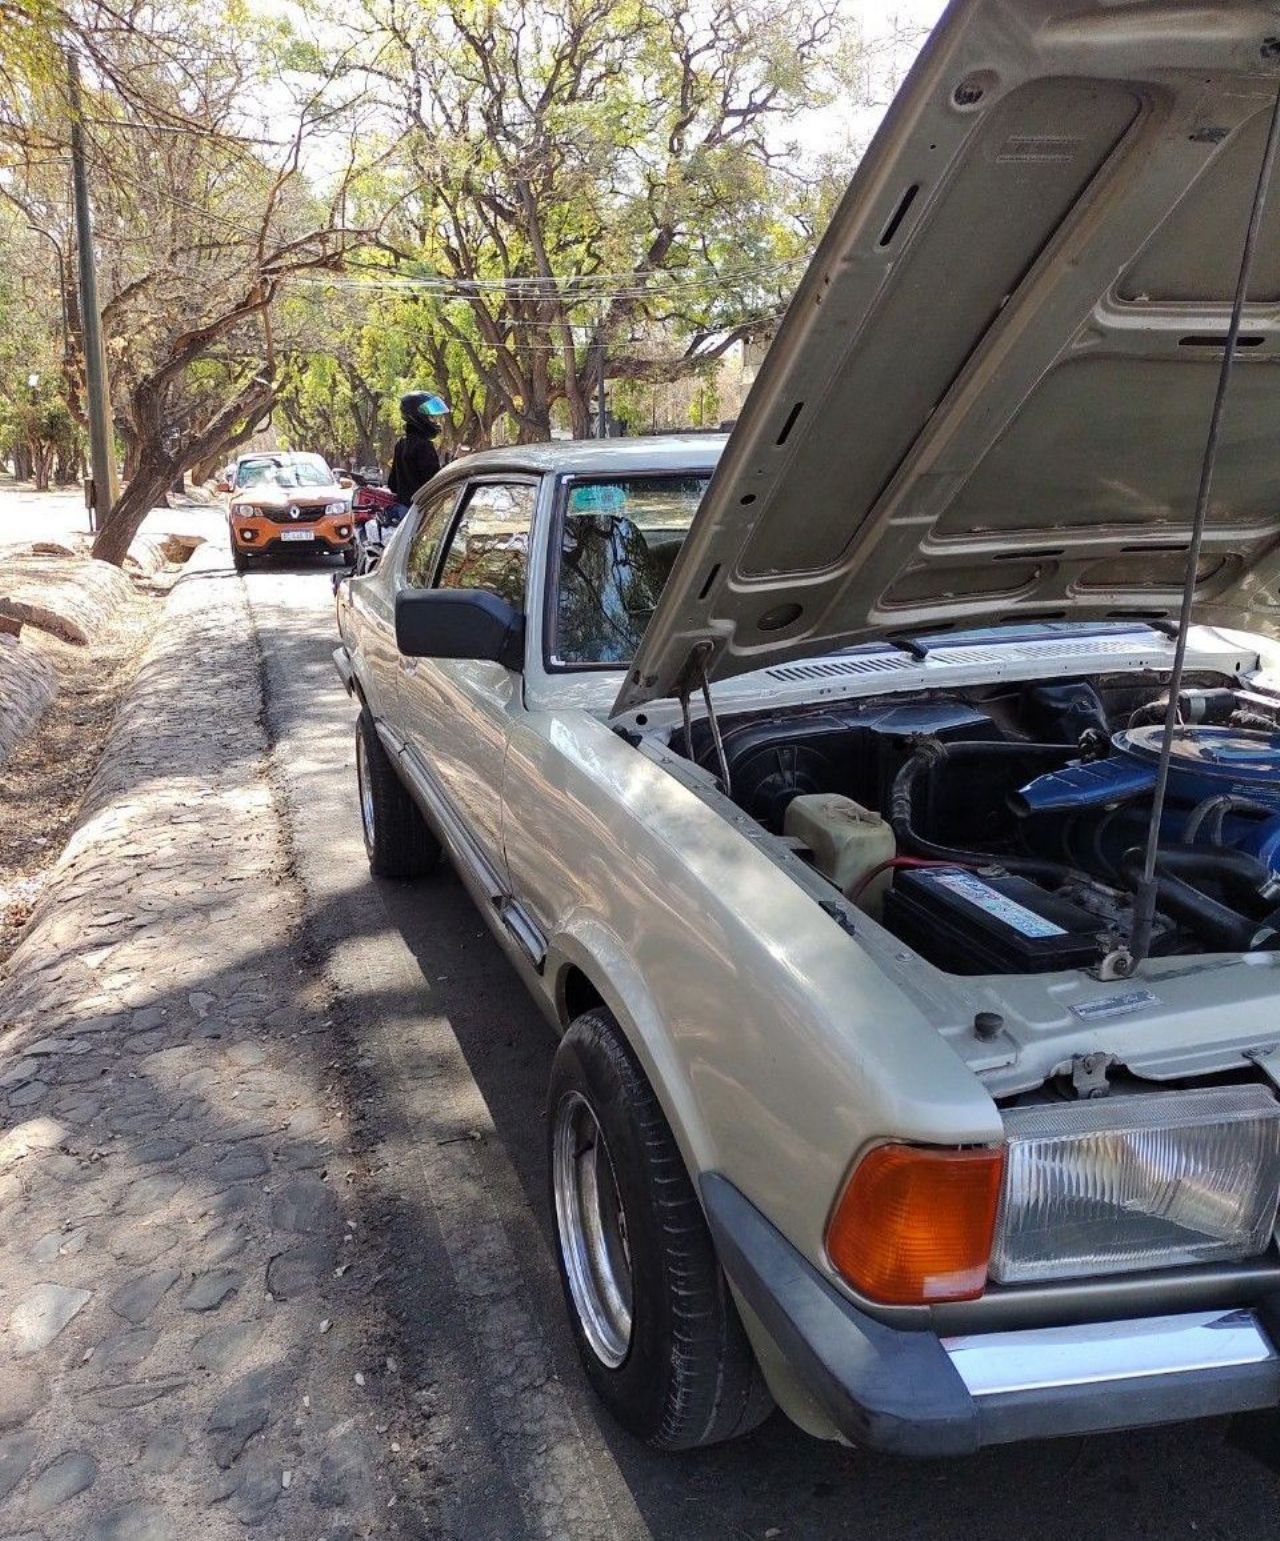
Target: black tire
<point>239,559</point>
<point>689,1377</point>
<point>349,557</point>
<point>396,838</point>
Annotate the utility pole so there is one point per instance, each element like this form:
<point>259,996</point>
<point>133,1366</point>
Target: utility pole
<point>602,426</point>
<point>102,460</point>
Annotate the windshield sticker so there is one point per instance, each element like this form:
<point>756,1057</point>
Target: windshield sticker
<point>598,498</point>
<point>1023,920</point>
<point>1115,1005</point>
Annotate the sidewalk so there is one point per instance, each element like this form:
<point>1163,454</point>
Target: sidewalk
<point>60,515</point>
<point>192,1342</point>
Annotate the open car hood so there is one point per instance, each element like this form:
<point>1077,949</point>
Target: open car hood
<point>989,398</point>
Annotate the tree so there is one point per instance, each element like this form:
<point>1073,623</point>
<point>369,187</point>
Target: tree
<point>230,219</point>
<point>38,378</point>
<point>203,213</point>
<point>355,349</point>
<point>482,196</point>
<point>573,169</point>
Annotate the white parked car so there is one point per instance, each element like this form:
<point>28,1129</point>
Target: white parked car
<point>806,779</point>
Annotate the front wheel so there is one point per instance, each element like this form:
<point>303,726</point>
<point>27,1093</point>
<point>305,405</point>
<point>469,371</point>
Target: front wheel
<point>655,1326</point>
<point>239,559</point>
<point>396,839</point>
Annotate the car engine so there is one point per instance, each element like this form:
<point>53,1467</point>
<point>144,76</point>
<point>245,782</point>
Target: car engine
<point>1003,830</point>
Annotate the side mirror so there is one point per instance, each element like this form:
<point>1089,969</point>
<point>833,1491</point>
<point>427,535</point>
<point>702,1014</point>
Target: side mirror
<point>459,623</point>
<point>345,481</point>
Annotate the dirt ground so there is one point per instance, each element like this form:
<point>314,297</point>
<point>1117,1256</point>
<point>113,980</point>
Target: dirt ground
<point>44,779</point>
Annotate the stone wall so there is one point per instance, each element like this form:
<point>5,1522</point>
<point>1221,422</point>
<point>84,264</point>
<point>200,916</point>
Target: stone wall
<point>69,598</point>
<point>27,685</point>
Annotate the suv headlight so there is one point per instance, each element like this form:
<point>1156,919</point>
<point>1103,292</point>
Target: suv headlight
<point>335,508</point>
<point>242,508</point>
<point>1126,1183</point>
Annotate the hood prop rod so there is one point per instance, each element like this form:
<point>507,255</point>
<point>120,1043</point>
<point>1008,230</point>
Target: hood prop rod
<point>1144,906</point>
<point>700,660</point>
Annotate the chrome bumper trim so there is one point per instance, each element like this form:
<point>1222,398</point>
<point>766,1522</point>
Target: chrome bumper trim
<point>1094,1353</point>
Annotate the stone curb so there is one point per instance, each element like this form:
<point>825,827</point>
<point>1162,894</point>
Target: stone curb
<point>28,683</point>
<point>187,1308</point>
<point>70,598</point>
<point>145,555</point>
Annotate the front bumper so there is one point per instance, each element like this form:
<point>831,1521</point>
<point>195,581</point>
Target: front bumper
<point>266,535</point>
<point>914,1393</point>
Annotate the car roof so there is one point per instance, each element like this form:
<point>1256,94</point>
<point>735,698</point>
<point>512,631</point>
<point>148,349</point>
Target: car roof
<point>281,457</point>
<point>599,457</point>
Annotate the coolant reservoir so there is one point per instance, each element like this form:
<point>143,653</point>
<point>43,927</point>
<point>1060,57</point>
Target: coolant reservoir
<point>847,840</point>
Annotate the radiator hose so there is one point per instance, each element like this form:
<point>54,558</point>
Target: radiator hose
<point>1214,922</point>
<point>934,752</point>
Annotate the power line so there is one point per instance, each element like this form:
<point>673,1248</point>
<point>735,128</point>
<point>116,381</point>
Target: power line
<point>522,346</point>
<point>467,290</point>
<point>630,284</point>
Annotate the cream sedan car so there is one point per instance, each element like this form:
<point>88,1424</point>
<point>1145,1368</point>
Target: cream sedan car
<point>809,780</point>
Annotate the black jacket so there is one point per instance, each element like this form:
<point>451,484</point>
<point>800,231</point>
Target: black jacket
<point>415,462</point>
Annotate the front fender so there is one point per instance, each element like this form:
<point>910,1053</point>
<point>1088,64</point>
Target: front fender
<point>587,943</point>
<point>776,1044</point>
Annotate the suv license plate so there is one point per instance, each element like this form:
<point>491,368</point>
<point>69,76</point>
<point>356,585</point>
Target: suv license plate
<point>297,534</point>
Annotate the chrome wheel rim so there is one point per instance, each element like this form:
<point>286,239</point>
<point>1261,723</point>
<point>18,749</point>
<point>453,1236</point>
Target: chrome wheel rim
<point>366,791</point>
<point>592,1226</point>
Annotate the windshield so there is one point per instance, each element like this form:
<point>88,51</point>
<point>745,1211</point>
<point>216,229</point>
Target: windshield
<point>619,540</point>
<point>618,543</point>
<point>293,473</point>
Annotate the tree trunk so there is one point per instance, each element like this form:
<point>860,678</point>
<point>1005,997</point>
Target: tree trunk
<point>580,424</point>
<point>41,463</point>
<point>145,492</point>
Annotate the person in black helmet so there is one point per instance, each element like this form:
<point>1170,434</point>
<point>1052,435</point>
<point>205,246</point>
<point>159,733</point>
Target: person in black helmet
<point>415,460</point>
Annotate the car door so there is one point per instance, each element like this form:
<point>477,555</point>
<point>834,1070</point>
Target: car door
<point>456,713</point>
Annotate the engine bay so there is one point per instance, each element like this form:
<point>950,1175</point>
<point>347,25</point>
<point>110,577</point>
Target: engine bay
<point>1001,829</point>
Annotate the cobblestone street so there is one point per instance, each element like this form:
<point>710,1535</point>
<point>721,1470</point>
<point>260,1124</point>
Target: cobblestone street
<point>192,1340</point>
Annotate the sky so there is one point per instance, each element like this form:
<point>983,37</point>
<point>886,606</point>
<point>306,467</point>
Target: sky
<point>880,21</point>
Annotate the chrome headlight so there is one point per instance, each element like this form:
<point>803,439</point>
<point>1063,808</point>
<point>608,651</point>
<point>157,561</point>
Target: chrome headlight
<point>1126,1183</point>
<point>242,508</point>
<point>335,508</point>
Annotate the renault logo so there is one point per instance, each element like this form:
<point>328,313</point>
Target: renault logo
<point>293,513</point>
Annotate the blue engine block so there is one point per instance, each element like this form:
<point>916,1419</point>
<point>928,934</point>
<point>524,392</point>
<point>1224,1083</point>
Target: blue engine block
<point>1206,762</point>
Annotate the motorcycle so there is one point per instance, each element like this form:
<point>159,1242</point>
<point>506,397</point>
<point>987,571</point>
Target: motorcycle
<point>375,512</point>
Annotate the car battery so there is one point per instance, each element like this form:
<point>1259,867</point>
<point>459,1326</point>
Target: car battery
<point>988,923</point>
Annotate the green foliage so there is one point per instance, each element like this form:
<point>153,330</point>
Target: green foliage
<point>36,422</point>
<point>306,211</point>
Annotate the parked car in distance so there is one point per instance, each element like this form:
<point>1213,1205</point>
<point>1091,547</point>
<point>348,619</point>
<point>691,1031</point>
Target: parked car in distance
<point>289,502</point>
<point>805,778</point>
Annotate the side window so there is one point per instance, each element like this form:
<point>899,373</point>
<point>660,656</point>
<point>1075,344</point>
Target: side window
<point>489,548</point>
<point>421,561</point>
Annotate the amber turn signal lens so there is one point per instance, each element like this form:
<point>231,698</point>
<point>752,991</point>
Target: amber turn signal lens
<point>915,1223</point>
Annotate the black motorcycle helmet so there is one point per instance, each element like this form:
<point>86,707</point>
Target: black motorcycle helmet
<point>420,409</point>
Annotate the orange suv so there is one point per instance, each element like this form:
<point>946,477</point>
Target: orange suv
<point>288,502</point>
